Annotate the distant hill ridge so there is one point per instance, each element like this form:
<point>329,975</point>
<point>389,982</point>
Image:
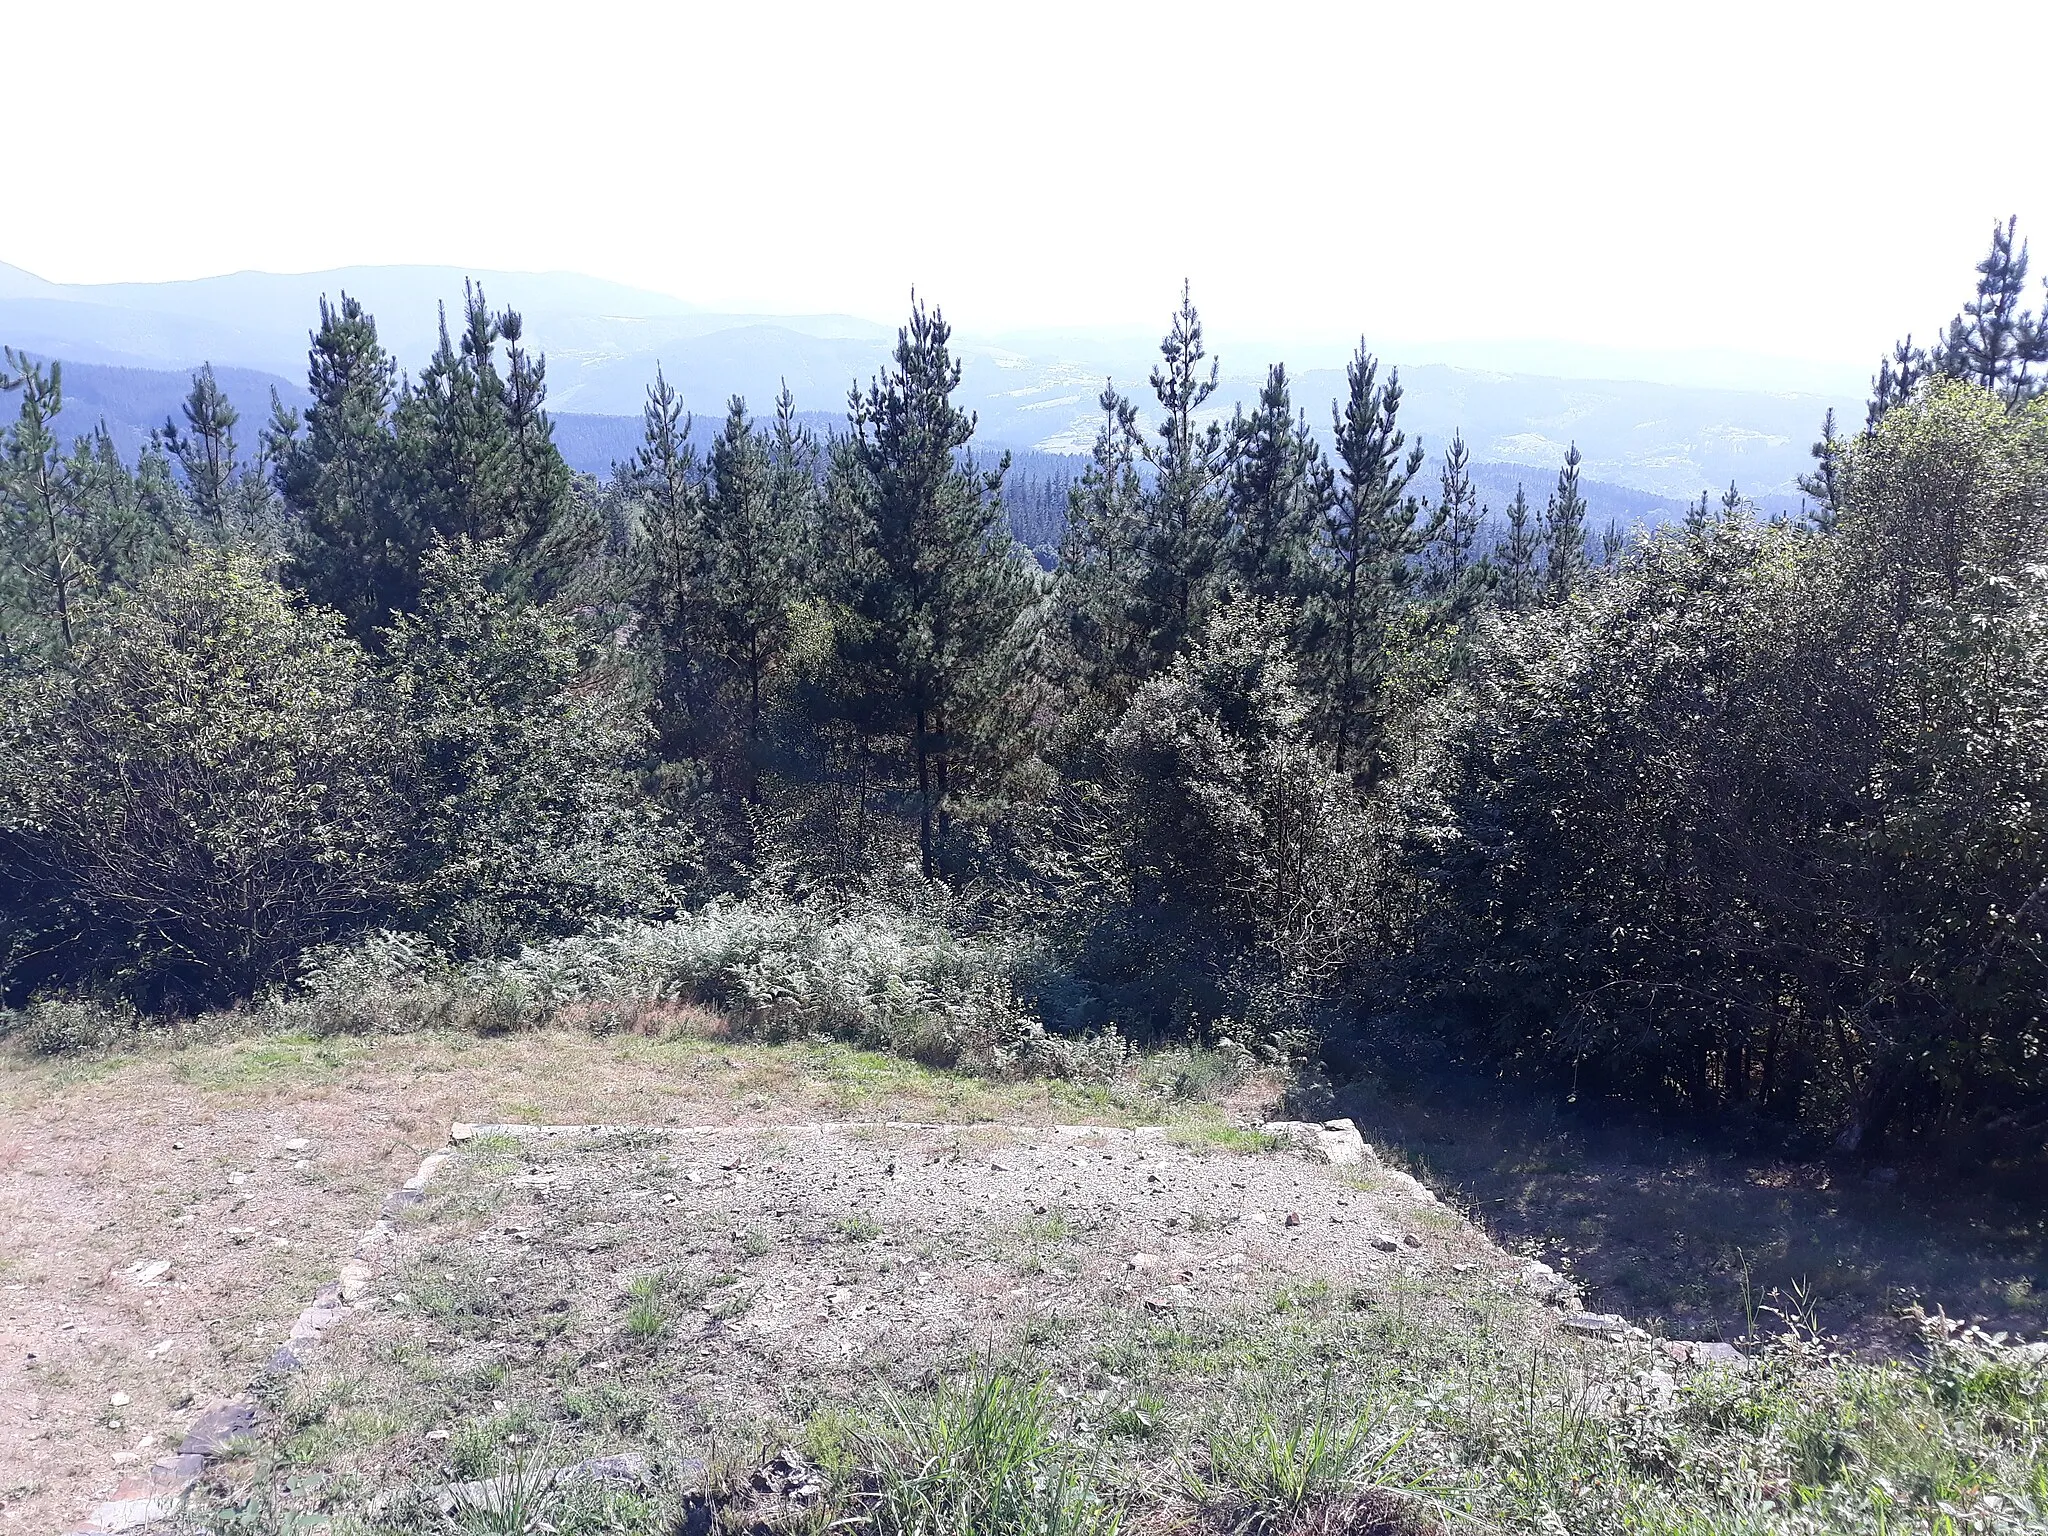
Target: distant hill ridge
<point>1661,443</point>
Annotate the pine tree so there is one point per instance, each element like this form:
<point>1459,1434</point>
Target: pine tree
<point>1451,560</point>
<point>1613,545</point>
<point>359,547</point>
<point>1898,375</point>
<point>1699,516</point>
<point>1994,343</point>
<point>1825,484</point>
<point>72,525</point>
<point>1185,512</point>
<point>40,511</point>
<point>752,548</point>
<point>935,582</point>
<point>539,492</point>
<point>793,459</point>
<point>1517,556</point>
<point>205,450</point>
<point>665,479</point>
<point>1279,487</point>
<point>1373,529</point>
<point>1096,591</point>
<point>1564,533</point>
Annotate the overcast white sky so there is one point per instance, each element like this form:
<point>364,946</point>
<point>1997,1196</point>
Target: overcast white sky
<point>1804,179</point>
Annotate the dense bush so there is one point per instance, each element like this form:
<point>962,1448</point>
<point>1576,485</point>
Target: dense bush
<point>519,751</point>
<point>1758,820</point>
<point>199,794</point>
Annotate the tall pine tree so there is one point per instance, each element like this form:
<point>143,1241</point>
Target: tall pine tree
<point>1185,514</point>
<point>1564,533</point>
<point>1096,601</point>
<point>1374,530</point>
<point>1519,556</point>
<point>205,449</point>
<point>753,541</point>
<point>935,582</point>
<point>1278,489</point>
<point>359,546</point>
<point>665,479</point>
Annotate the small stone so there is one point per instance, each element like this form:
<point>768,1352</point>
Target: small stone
<point>1595,1325</point>
<point>1463,1269</point>
<point>238,1178</point>
<point>437,1434</point>
<point>1294,1218</point>
<point>298,1144</point>
<point>1411,1240</point>
<point>149,1271</point>
<point>1143,1260</point>
<point>119,1399</point>
<point>1386,1242</point>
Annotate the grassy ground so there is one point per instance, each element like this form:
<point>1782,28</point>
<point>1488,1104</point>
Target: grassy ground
<point>902,1332</point>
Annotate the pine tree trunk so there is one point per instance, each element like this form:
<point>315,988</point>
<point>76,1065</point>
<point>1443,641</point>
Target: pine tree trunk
<point>924,797</point>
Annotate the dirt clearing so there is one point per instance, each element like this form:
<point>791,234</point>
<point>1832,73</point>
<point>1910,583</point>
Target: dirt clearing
<point>163,1217</point>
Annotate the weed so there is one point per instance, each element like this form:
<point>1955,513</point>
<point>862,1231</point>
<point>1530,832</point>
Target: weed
<point>858,1227</point>
<point>1269,1474</point>
<point>979,1455</point>
<point>647,1307</point>
<point>1137,1419</point>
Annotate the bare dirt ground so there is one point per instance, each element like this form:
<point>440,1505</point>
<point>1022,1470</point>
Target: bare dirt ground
<point>641,1293</point>
<point>187,1159</point>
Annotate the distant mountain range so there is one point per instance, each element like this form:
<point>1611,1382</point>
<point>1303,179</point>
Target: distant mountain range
<point>1648,447</point>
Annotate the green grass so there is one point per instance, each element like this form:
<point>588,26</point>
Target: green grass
<point>269,1061</point>
<point>647,1314</point>
<point>978,1455</point>
<point>1229,1138</point>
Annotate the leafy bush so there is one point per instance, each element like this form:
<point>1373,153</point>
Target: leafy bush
<point>56,1026</point>
<point>1229,811</point>
<point>196,797</point>
<point>1760,820</point>
<point>520,742</point>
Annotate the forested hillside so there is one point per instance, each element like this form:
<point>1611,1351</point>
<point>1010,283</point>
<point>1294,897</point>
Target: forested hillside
<point>1286,732</point>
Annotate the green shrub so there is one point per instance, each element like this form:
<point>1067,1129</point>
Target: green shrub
<point>55,1026</point>
<point>201,792</point>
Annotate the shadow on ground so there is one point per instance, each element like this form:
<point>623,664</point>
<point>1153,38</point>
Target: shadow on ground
<point>1666,1227</point>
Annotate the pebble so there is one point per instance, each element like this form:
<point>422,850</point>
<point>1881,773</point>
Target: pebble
<point>1596,1325</point>
<point>1386,1242</point>
<point>298,1144</point>
<point>119,1399</point>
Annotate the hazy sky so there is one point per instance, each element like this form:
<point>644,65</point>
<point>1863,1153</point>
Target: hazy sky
<point>1795,178</point>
